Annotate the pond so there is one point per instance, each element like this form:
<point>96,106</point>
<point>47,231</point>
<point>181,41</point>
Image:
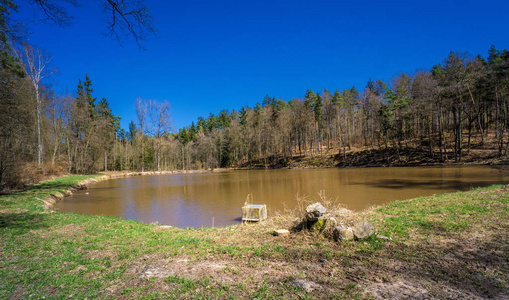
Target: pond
<point>215,198</point>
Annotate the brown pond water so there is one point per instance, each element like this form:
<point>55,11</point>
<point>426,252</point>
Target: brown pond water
<point>215,199</point>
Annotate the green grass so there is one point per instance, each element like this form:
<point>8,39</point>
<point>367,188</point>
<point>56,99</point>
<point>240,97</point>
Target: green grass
<point>61,255</point>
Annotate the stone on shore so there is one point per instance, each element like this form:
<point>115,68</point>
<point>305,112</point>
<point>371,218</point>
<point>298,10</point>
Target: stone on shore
<point>315,211</point>
<point>363,230</point>
<point>342,233</point>
<point>318,225</point>
<point>325,223</point>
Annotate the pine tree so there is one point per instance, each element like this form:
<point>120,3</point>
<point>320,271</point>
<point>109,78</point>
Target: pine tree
<point>309,99</point>
<point>89,100</point>
<point>317,108</point>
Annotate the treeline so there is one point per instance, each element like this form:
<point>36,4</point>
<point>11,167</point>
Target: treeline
<point>441,111</point>
<point>41,130</point>
<point>42,133</point>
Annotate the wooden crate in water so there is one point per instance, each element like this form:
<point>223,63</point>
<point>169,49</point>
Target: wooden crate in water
<point>254,212</point>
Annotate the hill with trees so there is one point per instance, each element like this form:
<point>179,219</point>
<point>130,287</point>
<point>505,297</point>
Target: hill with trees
<point>442,113</point>
<point>433,116</point>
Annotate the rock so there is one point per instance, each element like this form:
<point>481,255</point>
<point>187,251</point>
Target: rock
<point>363,230</point>
<point>281,232</point>
<point>383,237</point>
<point>324,224</point>
<point>306,285</point>
<point>342,233</point>
<point>318,225</point>
<point>315,211</point>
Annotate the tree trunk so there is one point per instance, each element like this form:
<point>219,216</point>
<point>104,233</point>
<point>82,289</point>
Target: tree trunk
<point>39,140</point>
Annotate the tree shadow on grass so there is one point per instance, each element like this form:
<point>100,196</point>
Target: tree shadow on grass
<point>51,185</point>
<point>23,222</point>
<point>20,199</point>
<point>458,268</point>
<point>443,184</point>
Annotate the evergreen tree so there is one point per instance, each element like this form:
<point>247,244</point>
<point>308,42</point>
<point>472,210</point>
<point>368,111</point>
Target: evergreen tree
<point>89,100</point>
<point>201,125</point>
<point>8,33</point>
<point>337,98</point>
<point>309,99</point>
<point>132,131</point>
<point>317,107</point>
<point>243,116</point>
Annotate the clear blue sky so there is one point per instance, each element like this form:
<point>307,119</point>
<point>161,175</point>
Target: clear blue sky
<point>214,55</point>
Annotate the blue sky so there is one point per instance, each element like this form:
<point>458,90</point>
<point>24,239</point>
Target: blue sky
<point>214,55</point>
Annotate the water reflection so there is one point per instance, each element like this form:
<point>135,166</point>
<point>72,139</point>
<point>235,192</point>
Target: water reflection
<point>194,200</point>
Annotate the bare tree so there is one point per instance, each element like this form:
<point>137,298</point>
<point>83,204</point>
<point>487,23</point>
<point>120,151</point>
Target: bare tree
<point>59,113</point>
<point>160,124</point>
<point>35,64</point>
<point>141,113</point>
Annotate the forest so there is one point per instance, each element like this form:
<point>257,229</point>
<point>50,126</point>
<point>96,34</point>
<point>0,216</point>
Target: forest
<point>440,111</point>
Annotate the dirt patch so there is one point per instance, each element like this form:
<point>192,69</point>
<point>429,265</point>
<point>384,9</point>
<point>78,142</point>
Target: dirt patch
<point>68,230</point>
<point>216,270</point>
<point>400,289</point>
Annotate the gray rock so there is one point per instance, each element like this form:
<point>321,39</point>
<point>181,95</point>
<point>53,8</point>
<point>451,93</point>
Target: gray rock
<point>342,233</point>
<point>315,211</point>
<point>363,230</point>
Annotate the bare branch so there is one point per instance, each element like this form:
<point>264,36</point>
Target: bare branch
<point>55,13</point>
<point>131,17</point>
<point>35,62</point>
<point>126,18</point>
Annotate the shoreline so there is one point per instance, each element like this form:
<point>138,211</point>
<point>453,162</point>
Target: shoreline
<point>436,247</point>
<point>51,200</point>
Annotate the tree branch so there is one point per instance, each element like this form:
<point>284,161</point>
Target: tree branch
<point>132,17</point>
<point>55,13</point>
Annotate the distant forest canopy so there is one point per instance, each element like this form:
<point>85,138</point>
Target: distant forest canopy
<point>439,111</point>
<point>442,109</point>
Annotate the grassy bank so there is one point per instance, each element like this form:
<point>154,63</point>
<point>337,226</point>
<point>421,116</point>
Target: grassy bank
<point>446,246</point>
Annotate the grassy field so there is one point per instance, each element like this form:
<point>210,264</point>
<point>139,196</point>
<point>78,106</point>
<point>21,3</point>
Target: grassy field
<point>446,246</point>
